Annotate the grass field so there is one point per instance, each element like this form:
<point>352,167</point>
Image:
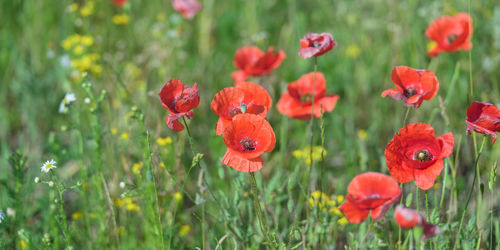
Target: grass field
<point>124,180</point>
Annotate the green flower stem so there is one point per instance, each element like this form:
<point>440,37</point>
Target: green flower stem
<point>457,239</point>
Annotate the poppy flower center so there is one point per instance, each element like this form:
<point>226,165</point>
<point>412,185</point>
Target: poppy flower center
<point>422,155</point>
<point>306,97</point>
<point>316,44</point>
<point>410,92</point>
<point>238,110</point>
<point>451,38</point>
<point>248,144</point>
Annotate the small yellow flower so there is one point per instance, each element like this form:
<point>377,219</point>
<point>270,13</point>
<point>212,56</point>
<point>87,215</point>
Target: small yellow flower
<point>124,136</point>
<point>87,40</point>
<point>78,49</point>
<point>162,165</point>
<point>121,230</point>
<point>132,207</point>
<point>22,244</point>
<point>362,134</point>
<point>73,7</point>
<point>178,196</point>
<point>121,19</point>
<point>342,221</point>
<point>136,168</point>
<point>96,69</point>
<point>164,141</point>
<point>87,9</point>
<point>184,230</point>
<point>114,131</point>
<point>160,17</point>
<point>352,51</point>
<point>77,215</point>
<point>339,198</point>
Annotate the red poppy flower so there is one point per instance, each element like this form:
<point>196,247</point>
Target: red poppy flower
<point>409,218</point>
<point>246,138</point>
<point>367,192</point>
<point>450,34</point>
<point>413,86</point>
<point>314,44</point>
<point>178,99</point>
<point>120,3</point>
<point>415,153</point>
<point>245,97</point>
<point>483,118</point>
<point>251,61</point>
<point>188,8</point>
<point>297,102</point>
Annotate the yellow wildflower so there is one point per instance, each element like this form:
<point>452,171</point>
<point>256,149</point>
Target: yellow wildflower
<point>342,221</point>
<point>132,207</point>
<point>184,230</point>
<point>352,51</point>
<point>73,7</point>
<point>164,141</point>
<point>87,9</point>
<point>431,45</point>
<point>137,167</point>
<point>78,49</point>
<point>304,154</point>
<point>124,136</point>
<point>87,40</point>
<point>362,134</point>
<point>121,230</point>
<point>114,131</point>
<point>178,196</point>
<point>121,19</point>
<point>77,215</point>
<point>22,244</point>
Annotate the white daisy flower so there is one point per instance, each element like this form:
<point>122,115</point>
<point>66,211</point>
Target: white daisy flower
<point>68,98</point>
<point>48,165</point>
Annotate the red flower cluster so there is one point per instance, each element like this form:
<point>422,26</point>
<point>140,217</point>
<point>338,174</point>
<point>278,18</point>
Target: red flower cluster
<point>409,218</point>
<point>179,99</point>
<point>246,138</point>
<point>188,8</point>
<point>367,192</point>
<point>413,86</point>
<point>450,34</point>
<point>314,44</point>
<point>297,102</point>
<point>415,153</point>
<point>251,61</point>
<point>245,97</point>
<point>483,118</point>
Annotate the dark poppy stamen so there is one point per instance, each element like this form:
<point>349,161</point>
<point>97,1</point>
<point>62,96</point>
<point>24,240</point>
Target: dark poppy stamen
<point>248,144</point>
<point>451,38</point>
<point>316,44</point>
<point>235,110</point>
<point>422,155</point>
<point>410,92</point>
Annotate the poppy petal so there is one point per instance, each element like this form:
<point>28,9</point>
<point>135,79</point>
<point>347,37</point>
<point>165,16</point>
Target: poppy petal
<point>172,120</point>
<point>424,178</point>
<point>239,76</point>
<point>447,141</point>
<point>352,213</point>
<point>240,163</point>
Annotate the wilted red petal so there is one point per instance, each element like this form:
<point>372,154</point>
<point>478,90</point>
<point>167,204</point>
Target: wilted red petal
<point>483,118</point>
<point>188,8</point>
<point>172,120</point>
<point>179,98</point>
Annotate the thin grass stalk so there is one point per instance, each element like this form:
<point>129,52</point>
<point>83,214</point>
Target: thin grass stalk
<point>457,237</point>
